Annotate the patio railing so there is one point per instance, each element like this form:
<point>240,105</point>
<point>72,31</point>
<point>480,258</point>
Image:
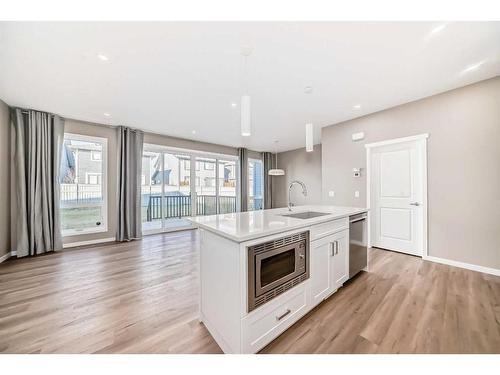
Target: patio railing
<point>80,194</point>
<point>177,206</point>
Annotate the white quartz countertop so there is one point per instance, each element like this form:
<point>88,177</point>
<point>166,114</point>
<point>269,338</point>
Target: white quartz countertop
<point>244,226</point>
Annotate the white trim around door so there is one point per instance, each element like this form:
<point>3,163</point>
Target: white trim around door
<point>421,139</point>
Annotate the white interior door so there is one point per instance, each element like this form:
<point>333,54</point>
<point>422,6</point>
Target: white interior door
<point>397,196</point>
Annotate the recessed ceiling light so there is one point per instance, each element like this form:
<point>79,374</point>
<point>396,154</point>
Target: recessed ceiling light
<point>193,131</point>
<point>107,114</point>
<point>357,106</point>
<point>102,57</point>
<point>233,104</point>
<point>437,29</point>
<point>472,67</point>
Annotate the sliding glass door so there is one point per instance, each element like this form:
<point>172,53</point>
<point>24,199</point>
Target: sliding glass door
<point>176,186</point>
<point>227,186</point>
<point>206,192</point>
<point>166,191</point>
<point>176,191</point>
<point>255,185</point>
<point>151,191</point>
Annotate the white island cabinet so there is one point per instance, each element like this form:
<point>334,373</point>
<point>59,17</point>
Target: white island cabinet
<point>227,267</point>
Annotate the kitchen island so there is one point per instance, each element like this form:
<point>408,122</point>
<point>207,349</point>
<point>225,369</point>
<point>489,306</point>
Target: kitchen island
<point>261,271</point>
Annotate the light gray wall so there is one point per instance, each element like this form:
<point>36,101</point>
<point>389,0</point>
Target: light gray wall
<point>298,165</point>
<point>4,179</point>
<point>463,166</point>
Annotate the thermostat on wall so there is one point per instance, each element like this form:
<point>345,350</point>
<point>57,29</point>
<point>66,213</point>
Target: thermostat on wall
<point>358,136</point>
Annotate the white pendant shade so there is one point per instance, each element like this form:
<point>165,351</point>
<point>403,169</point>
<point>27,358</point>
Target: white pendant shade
<point>246,118</point>
<point>276,172</point>
<point>309,137</point>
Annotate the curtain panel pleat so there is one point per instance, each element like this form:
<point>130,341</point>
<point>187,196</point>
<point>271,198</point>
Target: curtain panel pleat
<point>243,171</point>
<point>268,162</point>
<point>37,147</point>
<point>130,146</point>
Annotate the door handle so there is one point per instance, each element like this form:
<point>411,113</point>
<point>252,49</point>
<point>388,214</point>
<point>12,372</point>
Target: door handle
<point>288,311</point>
<point>332,247</point>
<point>415,204</point>
<point>336,247</point>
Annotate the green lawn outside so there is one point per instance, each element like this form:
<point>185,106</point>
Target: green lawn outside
<point>80,217</point>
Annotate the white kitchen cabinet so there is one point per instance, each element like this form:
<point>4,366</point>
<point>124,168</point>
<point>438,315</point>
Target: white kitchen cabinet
<point>329,265</point>
<point>339,261</point>
<point>321,283</point>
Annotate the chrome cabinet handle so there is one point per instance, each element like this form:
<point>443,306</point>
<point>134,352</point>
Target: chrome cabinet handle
<point>288,311</point>
<point>335,247</point>
<point>415,204</point>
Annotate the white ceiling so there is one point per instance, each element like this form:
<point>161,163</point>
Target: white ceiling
<point>173,78</point>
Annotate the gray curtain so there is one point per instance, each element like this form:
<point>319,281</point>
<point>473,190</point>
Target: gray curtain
<point>130,145</point>
<point>37,140</point>
<point>243,160</point>
<point>268,162</point>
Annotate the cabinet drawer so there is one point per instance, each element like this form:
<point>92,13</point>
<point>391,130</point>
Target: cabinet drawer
<point>264,325</point>
<point>330,227</point>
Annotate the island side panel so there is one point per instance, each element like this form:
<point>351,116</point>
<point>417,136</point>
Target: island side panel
<point>220,293</point>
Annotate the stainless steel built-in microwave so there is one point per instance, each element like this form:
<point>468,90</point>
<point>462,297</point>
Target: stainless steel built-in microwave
<point>276,266</point>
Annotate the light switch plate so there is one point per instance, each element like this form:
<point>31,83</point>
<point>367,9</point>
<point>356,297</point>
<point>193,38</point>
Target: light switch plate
<point>358,136</point>
<point>331,193</point>
<point>356,194</point>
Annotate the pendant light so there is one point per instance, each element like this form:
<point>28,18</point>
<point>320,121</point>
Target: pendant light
<point>309,137</point>
<point>309,128</point>
<point>245,108</point>
<point>276,171</point>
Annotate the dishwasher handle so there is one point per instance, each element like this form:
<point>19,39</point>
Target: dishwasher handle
<point>357,219</point>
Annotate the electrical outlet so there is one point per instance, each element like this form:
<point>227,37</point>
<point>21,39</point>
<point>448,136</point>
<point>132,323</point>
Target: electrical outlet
<point>356,194</point>
<point>331,193</point>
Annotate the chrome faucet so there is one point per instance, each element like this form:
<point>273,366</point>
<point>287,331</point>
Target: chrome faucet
<point>304,191</point>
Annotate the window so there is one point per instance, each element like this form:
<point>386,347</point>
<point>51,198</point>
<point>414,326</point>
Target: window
<point>95,156</point>
<point>255,184</point>
<point>83,185</point>
<point>209,166</point>
<point>210,182</point>
<point>92,178</point>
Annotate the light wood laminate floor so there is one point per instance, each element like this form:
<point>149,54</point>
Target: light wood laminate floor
<point>141,297</point>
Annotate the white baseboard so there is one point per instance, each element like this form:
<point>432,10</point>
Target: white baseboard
<point>67,246</point>
<point>468,266</point>
<point>4,257</point>
<point>90,242</point>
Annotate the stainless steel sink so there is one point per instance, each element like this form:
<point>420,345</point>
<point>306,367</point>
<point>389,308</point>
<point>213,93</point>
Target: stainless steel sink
<point>306,215</point>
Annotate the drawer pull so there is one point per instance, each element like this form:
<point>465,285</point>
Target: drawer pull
<point>288,311</point>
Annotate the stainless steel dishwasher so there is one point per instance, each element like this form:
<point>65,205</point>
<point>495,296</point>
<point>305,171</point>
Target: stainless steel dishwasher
<point>358,243</point>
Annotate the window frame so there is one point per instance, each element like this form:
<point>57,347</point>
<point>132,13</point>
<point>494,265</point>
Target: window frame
<point>104,185</point>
